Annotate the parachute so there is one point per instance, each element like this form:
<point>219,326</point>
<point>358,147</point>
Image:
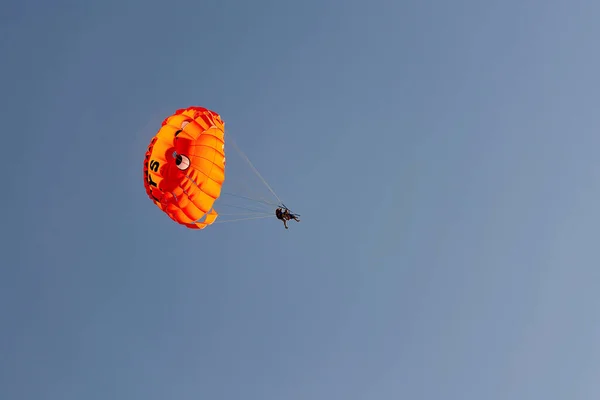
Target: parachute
<point>184,167</point>
<point>184,171</point>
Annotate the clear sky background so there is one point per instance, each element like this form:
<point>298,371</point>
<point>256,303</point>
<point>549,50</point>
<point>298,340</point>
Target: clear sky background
<point>443,155</point>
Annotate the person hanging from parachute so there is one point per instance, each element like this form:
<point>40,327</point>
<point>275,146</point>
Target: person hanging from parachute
<point>285,215</point>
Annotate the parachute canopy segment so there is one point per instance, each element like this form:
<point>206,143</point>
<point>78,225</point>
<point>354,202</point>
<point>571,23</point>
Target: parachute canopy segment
<point>184,168</point>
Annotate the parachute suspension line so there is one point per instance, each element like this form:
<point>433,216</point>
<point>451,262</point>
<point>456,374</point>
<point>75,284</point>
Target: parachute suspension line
<point>221,204</point>
<point>242,219</point>
<point>262,201</point>
<point>241,153</point>
<point>251,214</point>
<point>257,203</point>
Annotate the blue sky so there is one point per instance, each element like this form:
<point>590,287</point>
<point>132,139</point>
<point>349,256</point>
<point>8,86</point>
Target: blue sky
<point>443,155</point>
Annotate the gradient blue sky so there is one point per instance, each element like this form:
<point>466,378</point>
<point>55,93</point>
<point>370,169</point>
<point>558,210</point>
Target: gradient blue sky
<point>443,155</point>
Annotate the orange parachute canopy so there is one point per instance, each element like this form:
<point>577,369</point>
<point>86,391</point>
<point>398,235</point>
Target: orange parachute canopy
<point>184,167</point>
